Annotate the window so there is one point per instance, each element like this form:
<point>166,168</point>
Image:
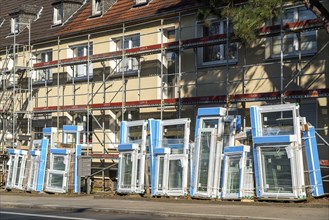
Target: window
<point>141,2</point>
<point>58,14</point>
<point>2,21</point>
<point>96,7</point>
<point>129,63</point>
<point>82,70</point>
<point>14,25</point>
<point>58,173</point>
<point>293,43</point>
<point>44,74</point>
<point>217,54</point>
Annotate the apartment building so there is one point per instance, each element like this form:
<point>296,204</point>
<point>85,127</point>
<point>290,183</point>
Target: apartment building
<point>97,62</point>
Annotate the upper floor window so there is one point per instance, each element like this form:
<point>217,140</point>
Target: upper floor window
<point>58,14</point>
<point>96,7</point>
<point>293,43</point>
<point>41,57</point>
<point>2,20</point>
<point>129,63</point>
<point>82,70</point>
<point>141,2</point>
<point>14,25</point>
<point>218,53</point>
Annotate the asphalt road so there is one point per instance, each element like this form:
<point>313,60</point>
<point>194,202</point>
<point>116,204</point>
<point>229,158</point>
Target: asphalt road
<point>83,214</point>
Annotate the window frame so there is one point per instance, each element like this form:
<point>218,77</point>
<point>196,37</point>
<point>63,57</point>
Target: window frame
<point>295,36</point>
<point>96,8</point>
<point>222,46</point>
<point>118,45</point>
<point>14,25</point>
<point>58,10</point>
<point>87,68</point>
<point>47,72</point>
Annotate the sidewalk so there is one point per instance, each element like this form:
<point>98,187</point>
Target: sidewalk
<point>167,208</point>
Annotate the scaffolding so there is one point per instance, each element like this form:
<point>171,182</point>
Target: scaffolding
<point>173,96</point>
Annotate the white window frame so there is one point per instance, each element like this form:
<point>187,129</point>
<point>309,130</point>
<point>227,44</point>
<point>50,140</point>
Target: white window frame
<point>65,174</point>
<point>58,14</point>
<point>294,177</point>
<point>210,182</point>
<point>96,7</point>
<point>141,2</point>
<point>47,73</point>
<point>14,22</point>
<point>222,47</point>
<point>34,169</point>
<point>132,64</point>
<point>296,43</point>
<point>80,70</point>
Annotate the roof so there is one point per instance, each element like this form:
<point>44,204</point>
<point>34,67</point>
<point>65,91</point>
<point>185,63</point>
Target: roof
<point>123,11</point>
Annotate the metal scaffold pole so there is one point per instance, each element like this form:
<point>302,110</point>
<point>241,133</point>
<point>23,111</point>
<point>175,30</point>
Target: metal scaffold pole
<point>161,71</point>
<point>14,92</point>
<point>58,69</point>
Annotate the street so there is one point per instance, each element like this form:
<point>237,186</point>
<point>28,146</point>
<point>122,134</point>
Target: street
<point>82,214</point>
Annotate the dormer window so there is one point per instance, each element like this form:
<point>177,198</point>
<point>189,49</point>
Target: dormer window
<point>58,14</point>
<point>14,25</point>
<point>96,7</point>
<point>141,2</point>
<point>2,20</point>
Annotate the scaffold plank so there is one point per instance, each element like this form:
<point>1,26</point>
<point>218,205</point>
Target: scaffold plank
<point>315,93</point>
<point>189,43</point>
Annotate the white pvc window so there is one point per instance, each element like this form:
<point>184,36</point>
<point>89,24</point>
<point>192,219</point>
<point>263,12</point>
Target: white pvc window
<point>57,178</point>
<point>132,162</point>
<point>129,63</point>
<point>14,25</point>
<point>276,170</point>
<point>293,43</point>
<point>233,174</point>
<point>277,123</point>
<point>41,57</point>
<point>11,171</point>
<point>82,70</point>
<point>58,14</point>
<point>126,170</point>
<point>218,53</point>
<point>34,170</point>
<point>96,7</point>
<point>205,161</point>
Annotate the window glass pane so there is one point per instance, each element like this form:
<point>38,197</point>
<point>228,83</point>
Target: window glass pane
<point>34,171</point>
<point>18,171</point>
<point>233,175</point>
<point>292,43</point>
<point>277,123</point>
<point>227,133</point>
<point>305,14</point>
<point>56,180</point>
<point>288,43</point>
<point>126,170</point>
<point>137,173</point>
<point>289,15</point>
<point>135,134</point>
<point>276,170</point>
<point>204,157</point>
<point>59,162</point>
<point>210,123</point>
<point>173,137</point>
<point>160,174</point>
<point>175,175</point>
<point>308,41</point>
<point>11,170</point>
